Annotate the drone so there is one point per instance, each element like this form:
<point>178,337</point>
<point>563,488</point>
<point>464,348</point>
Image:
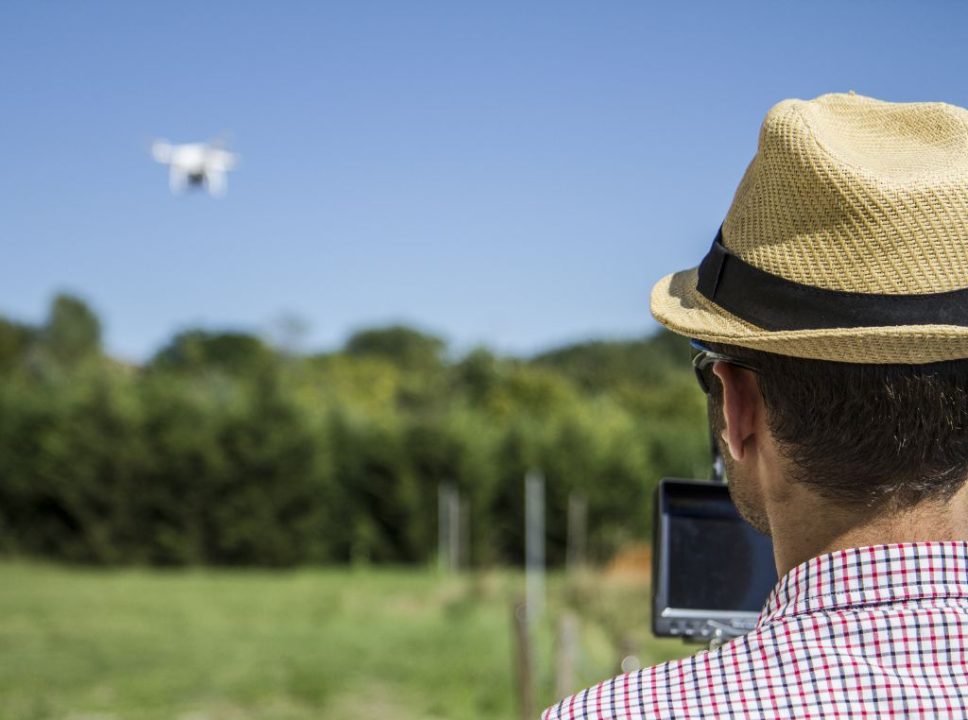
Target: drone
<point>195,165</point>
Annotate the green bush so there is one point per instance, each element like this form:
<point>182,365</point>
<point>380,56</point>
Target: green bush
<point>223,451</point>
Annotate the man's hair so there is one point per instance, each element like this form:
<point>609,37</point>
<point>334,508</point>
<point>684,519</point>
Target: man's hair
<point>868,435</point>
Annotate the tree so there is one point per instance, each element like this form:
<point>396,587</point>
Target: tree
<point>232,352</point>
<point>73,331</point>
<point>15,340</point>
<point>405,347</point>
<point>600,365</point>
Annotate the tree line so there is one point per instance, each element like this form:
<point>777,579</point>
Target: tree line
<point>222,449</point>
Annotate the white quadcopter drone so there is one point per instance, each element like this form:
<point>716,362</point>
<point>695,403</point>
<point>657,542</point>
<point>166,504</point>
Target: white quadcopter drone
<point>195,165</point>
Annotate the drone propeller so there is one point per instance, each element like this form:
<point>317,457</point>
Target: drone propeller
<point>161,151</point>
<point>222,140</point>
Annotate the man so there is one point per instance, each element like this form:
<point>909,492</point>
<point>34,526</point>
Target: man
<point>831,316</point>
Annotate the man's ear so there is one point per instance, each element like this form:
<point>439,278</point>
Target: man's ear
<point>741,403</point>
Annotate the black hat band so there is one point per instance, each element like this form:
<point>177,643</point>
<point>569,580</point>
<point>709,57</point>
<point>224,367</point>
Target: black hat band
<point>775,303</point>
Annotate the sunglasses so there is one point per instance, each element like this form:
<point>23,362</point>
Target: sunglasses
<point>703,360</point>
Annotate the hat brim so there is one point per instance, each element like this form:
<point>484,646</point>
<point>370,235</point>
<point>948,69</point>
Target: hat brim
<point>677,304</point>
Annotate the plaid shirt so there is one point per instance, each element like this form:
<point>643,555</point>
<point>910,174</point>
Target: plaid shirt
<point>874,632</point>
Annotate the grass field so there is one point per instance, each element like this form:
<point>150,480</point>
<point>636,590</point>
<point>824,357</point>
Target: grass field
<point>80,644</point>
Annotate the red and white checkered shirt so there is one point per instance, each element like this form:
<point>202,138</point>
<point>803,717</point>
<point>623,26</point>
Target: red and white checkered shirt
<point>873,632</point>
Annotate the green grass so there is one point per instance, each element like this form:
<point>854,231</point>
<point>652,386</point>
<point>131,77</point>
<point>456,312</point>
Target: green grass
<point>85,644</point>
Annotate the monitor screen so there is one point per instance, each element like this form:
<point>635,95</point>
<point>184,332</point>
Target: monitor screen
<point>713,564</point>
<point>709,557</point>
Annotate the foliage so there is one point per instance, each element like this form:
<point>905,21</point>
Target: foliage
<point>197,350</point>
<point>600,365</point>
<point>15,339</point>
<point>223,451</point>
<point>73,331</point>
<point>408,348</point>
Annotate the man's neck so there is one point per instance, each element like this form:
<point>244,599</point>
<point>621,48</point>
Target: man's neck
<point>809,526</point>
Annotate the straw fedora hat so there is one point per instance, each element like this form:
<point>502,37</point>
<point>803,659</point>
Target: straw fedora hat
<point>847,238</point>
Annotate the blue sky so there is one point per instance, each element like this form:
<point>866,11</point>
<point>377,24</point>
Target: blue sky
<point>515,174</point>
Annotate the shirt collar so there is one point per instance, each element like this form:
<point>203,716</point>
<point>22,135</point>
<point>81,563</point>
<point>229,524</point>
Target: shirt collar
<point>870,576</point>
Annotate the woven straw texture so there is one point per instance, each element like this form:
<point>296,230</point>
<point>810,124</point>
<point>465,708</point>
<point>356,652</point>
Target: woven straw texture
<point>853,194</point>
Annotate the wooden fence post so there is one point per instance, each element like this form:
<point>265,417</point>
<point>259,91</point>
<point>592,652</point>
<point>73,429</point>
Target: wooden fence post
<point>523,659</point>
<point>567,655</point>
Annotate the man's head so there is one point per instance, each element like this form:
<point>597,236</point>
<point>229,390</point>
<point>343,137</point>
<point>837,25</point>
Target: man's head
<point>869,439</point>
<point>840,275</point>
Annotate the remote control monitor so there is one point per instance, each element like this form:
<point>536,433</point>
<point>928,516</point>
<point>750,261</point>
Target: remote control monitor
<point>712,572</point>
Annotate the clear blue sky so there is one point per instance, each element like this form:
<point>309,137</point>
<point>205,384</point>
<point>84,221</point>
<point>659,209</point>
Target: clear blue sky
<point>516,174</point>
